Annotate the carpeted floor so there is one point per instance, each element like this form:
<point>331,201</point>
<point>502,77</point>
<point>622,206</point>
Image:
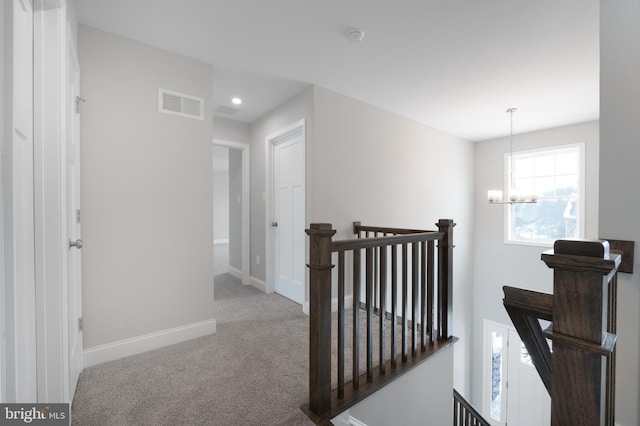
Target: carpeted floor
<point>253,371</point>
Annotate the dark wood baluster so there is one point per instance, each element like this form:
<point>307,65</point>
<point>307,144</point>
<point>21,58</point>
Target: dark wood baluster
<point>611,362</point>
<point>341,325</point>
<point>430,287</point>
<point>415,297</point>
<point>369,297</point>
<point>445,279</point>
<point>383,307</point>
<point>394,305</point>
<point>423,295</point>
<point>376,255</point>
<point>356,319</point>
<point>405,286</point>
<point>456,409</point>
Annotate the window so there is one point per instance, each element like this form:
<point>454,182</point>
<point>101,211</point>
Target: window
<point>494,374</point>
<point>556,176</point>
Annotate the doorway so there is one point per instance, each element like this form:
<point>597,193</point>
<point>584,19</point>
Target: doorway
<point>231,209</point>
<point>287,203</point>
<point>513,393</point>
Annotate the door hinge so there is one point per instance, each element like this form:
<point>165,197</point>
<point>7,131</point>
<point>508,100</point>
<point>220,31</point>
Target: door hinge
<point>78,216</point>
<point>80,324</point>
<point>78,100</point>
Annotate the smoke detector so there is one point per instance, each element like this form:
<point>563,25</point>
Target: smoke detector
<point>354,35</point>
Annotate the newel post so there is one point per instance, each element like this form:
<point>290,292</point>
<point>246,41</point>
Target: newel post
<point>582,272</point>
<point>320,316</point>
<point>445,278</point>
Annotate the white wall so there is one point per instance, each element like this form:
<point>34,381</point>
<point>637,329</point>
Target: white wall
<point>292,111</point>
<point>235,209</point>
<point>220,193</point>
<point>497,264</point>
<point>619,177</point>
<point>383,169</point>
<point>147,193</point>
<point>230,130</point>
<point>422,397</point>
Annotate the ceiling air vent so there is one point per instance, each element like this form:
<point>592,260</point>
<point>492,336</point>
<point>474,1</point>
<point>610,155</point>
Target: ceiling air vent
<point>180,104</point>
<point>227,110</point>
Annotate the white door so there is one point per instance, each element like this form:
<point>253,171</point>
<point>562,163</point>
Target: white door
<point>528,402</point>
<point>289,218</point>
<point>73,225</point>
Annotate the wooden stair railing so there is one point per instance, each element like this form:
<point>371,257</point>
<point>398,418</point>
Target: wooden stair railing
<point>464,414</point>
<point>579,372</point>
<point>410,298</point>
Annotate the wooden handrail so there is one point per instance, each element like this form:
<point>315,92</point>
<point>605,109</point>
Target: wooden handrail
<point>403,300</point>
<point>363,243</point>
<point>464,414</point>
<point>358,228</point>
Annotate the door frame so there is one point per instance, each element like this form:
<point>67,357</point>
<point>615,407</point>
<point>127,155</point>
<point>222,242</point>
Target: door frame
<point>3,132</point>
<point>52,45</point>
<point>510,357</point>
<point>19,357</point>
<point>297,129</point>
<point>246,211</point>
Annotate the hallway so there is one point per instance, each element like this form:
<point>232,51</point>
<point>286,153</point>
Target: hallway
<point>253,371</point>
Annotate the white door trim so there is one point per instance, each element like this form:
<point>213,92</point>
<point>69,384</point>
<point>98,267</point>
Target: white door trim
<point>19,304</point>
<point>3,132</point>
<point>50,51</point>
<point>246,212</point>
<point>287,133</point>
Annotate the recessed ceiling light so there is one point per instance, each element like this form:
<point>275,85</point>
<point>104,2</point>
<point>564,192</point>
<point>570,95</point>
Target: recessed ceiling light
<point>236,100</point>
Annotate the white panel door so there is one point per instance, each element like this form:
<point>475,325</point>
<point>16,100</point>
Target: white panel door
<point>528,402</point>
<point>289,185</point>
<point>74,294</point>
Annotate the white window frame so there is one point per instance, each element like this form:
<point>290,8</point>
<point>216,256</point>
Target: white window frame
<point>580,221</point>
<point>489,327</point>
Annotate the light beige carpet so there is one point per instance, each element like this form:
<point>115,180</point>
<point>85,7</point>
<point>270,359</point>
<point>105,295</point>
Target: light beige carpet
<point>253,371</point>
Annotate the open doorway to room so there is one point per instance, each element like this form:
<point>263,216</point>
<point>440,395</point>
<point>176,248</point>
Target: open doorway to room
<point>231,209</point>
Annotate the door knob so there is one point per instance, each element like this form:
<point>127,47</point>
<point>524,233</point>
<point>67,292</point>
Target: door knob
<point>77,244</point>
<point>274,224</point>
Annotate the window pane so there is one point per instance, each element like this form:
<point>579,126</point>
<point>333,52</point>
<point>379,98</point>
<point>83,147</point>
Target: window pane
<point>545,186</point>
<point>567,185</point>
<point>545,165</point>
<point>546,220</point>
<point>567,163</point>
<point>523,167</point>
<point>526,185</point>
<point>525,358</point>
<point>554,176</point>
<point>496,375</point>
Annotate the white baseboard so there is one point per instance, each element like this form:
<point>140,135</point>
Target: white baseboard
<point>348,301</point>
<point>221,241</point>
<point>259,284</point>
<point>234,272</point>
<point>147,342</point>
<point>344,419</point>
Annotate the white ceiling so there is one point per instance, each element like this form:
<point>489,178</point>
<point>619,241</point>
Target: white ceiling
<point>455,65</point>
